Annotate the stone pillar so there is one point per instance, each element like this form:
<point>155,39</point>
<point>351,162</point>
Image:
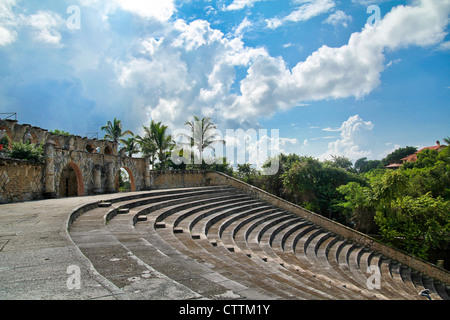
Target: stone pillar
<point>50,186</point>
<point>110,188</point>
<point>98,180</point>
<point>147,182</point>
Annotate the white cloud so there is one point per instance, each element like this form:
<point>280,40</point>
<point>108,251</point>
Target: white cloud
<point>255,147</point>
<point>242,26</point>
<point>352,137</point>
<point>305,143</point>
<point>195,34</point>
<point>308,9</point>
<point>161,10</point>
<point>338,17</point>
<point>46,26</point>
<point>195,65</point>
<point>353,69</point>
<point>328,129</point>
<point>393,62</point>
<point>240,4</point>
<point>444,46</point>
<point>8,22</point>
<point>189,68</point>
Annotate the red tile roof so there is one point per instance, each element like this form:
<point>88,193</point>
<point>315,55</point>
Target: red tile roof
<point>413,157</point>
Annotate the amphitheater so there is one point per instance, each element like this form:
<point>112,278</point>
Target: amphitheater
<point>179,235</point>
<point>222,240</point>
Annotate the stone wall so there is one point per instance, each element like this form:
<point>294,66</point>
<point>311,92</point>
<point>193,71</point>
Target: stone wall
<point>28,133</point>
<point>74,165</point>
<point>95,173</point>
<point>20,181</point>
<point>196,178</point>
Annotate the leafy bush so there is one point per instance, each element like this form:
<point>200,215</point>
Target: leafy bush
<point>61,132</point>
<point>26,151</point>
<point>5,142</point>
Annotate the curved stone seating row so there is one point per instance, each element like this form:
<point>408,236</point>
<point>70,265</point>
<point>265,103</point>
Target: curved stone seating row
<point>220,243</point>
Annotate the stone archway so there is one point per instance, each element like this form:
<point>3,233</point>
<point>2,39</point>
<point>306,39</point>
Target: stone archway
<point>71,182</point>
<point>132,184</point>
<point>30,137</point>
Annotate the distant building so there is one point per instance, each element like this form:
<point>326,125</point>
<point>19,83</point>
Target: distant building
<point>413,157</point>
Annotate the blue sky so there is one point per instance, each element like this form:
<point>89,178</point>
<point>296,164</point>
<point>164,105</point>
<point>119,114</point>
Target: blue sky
<point>319,71</point>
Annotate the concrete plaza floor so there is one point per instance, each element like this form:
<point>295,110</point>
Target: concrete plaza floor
<point>39,261</point>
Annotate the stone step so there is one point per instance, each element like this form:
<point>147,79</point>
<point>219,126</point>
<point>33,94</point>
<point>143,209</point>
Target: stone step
<point>104,204</point>
<point>245,242</point>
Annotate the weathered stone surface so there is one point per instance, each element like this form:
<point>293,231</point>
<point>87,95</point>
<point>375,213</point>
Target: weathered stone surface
<point>20,181</point>
<point>74,166</point>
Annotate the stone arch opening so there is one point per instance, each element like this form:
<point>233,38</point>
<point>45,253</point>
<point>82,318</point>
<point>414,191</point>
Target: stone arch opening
<point>90,148</point>
<point>108,150</point>
<point>30,138</point>
<point>124,181</point>
<point>71,182</point>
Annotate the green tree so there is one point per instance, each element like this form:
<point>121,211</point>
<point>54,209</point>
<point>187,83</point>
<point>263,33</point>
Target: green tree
<point>147,144</point>
<point>114,131</point>
<point>395,156</point>
<point>131,146</point>
<point>415,224</point>
<point>363,165</point>
<point>161,140</point>
<point>246,173</point>
<point>404,209</point>
<point>315,184</point>
<point>358,206</point>
<point>341,162</point>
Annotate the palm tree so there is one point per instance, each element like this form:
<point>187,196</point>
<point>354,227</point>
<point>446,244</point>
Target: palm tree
<point>114,131</point>
<point>202,134</point>
<point>156,141</point>
<point>131,146</point>
<point>447,140</point>
<point>148,146</point>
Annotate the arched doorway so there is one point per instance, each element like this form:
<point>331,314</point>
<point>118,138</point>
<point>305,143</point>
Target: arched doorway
<point>124,181</point>
<point>71,183</point>
<point>108,150</point>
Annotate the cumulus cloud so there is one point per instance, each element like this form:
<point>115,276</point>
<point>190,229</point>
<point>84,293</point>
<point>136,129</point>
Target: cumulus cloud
<point>46,26</point>
<point>338,17</point>
<point>182,68</point>
<point>191,68</point>
<point>353,69</point>
<point>351,138</point>
<point>161,10</point>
